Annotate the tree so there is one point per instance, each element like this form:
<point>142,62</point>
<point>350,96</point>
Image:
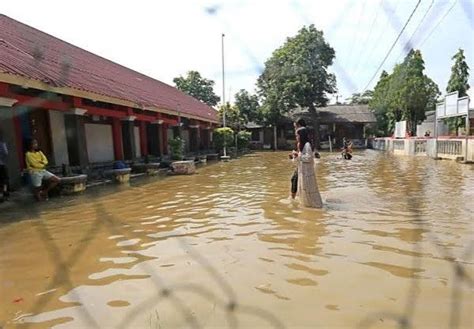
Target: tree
<point>248,106</point>
<point>411,93</point>
<point>177,148</point>
<point>459,75</point>
<point>243,139</point>
<point>406,94</point>
<point>297,75</point>
<point>233,117</point>
<point>360,99</point>
<point>458,82</point>
<point>223,137</point>
<point>379,104</point>
<point>197,86</point>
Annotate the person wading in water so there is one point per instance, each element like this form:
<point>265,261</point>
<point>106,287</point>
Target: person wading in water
<point>303,181</point>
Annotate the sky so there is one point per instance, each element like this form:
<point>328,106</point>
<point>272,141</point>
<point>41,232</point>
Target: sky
<point>165,39</point>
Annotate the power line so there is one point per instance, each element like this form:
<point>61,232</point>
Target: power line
<point>354,41</point>
<point>393,45</point>
<point>439,22</point>
<point>377,41</point>
<point>368,36</point>
<point>407,45</point>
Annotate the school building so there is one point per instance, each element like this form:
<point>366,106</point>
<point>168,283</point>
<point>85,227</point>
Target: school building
<point>85,109</point>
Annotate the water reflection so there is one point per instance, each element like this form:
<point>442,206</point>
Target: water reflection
<point>111,257</point>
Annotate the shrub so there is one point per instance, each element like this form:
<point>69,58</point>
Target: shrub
<point>243,139</point>
<point>223,134</point>
<point>176,148</point>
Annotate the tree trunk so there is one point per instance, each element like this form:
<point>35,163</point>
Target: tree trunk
<point>314,118</point>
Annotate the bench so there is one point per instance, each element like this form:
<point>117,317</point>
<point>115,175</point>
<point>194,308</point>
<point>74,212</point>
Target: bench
<point>183,167</point>
<point>202,158</point>
<point>150,169</point>
<point>212,157</point>
<point>73,184</point>
<point>120,175</point>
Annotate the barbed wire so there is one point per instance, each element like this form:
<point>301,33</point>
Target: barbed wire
<point>230,303</point>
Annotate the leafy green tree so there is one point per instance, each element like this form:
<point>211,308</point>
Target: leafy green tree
<point>458,82</point>
<point>459,75</point>
<point>411,93</point>
<point>233,117</point>
<point>248,106</point>
<point>406,94</point>
<point>379,104</point>
<point>297,75</point>
<point>197,86</point>
<point>243,139</point>
<point>360,99</point>
<point>177,148</point>
<point>223,136</point>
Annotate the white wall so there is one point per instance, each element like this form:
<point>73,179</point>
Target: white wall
<point>136,132</point>
<point>100,145</point>
<point>422,128</point>
<point>58,134</point>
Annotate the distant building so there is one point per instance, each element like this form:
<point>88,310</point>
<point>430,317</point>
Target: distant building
<point>83,108</point>
<point>336,121</point>
<point>443,130</point>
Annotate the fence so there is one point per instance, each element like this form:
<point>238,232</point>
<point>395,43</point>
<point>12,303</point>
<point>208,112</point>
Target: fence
<point>450,147</point>
<point>399,145</point>
<point>420,147</point>
<point>443,148</point>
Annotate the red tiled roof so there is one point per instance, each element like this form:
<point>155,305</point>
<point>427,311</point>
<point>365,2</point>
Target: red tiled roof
<point>32,54</point>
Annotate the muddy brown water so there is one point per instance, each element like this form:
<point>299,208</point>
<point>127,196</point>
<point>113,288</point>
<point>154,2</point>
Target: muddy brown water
<point>227,248</point>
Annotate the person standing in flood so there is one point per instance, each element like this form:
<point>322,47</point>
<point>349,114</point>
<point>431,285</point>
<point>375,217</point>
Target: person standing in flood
<point>3,169</point>
<point>301,134</point>
<point>36,163</point>
<point>307,188</point>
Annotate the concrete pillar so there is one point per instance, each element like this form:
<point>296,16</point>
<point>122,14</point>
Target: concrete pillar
<point>128,138</point>
<point>117,138</point>
<point>409,147</point>
<point>76,137</point>
<point>10,137</point>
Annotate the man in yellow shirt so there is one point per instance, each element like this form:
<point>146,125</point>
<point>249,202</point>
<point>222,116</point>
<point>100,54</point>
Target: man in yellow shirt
<point>36,163</point>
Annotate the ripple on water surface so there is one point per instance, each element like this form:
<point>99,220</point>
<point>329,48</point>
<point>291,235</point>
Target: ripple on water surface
<point>111,257</point>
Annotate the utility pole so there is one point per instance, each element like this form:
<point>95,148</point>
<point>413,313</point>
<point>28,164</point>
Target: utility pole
<point>225,157</point>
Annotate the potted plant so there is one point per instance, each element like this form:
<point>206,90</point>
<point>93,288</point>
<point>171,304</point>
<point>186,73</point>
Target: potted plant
<point>176,148</point>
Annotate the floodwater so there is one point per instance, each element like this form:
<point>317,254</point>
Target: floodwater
<point>227,248</point>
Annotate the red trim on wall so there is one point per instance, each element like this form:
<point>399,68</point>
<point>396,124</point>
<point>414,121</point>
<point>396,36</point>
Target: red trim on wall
<point>4,89</point>
<point>117,138</point>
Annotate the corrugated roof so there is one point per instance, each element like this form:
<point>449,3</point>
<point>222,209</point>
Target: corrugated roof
<point>32,54</point>
<point>340,113</point>
<point>253,125</point>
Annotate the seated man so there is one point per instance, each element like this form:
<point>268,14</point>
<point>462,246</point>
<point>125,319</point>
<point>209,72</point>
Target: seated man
<point>36,163</point>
